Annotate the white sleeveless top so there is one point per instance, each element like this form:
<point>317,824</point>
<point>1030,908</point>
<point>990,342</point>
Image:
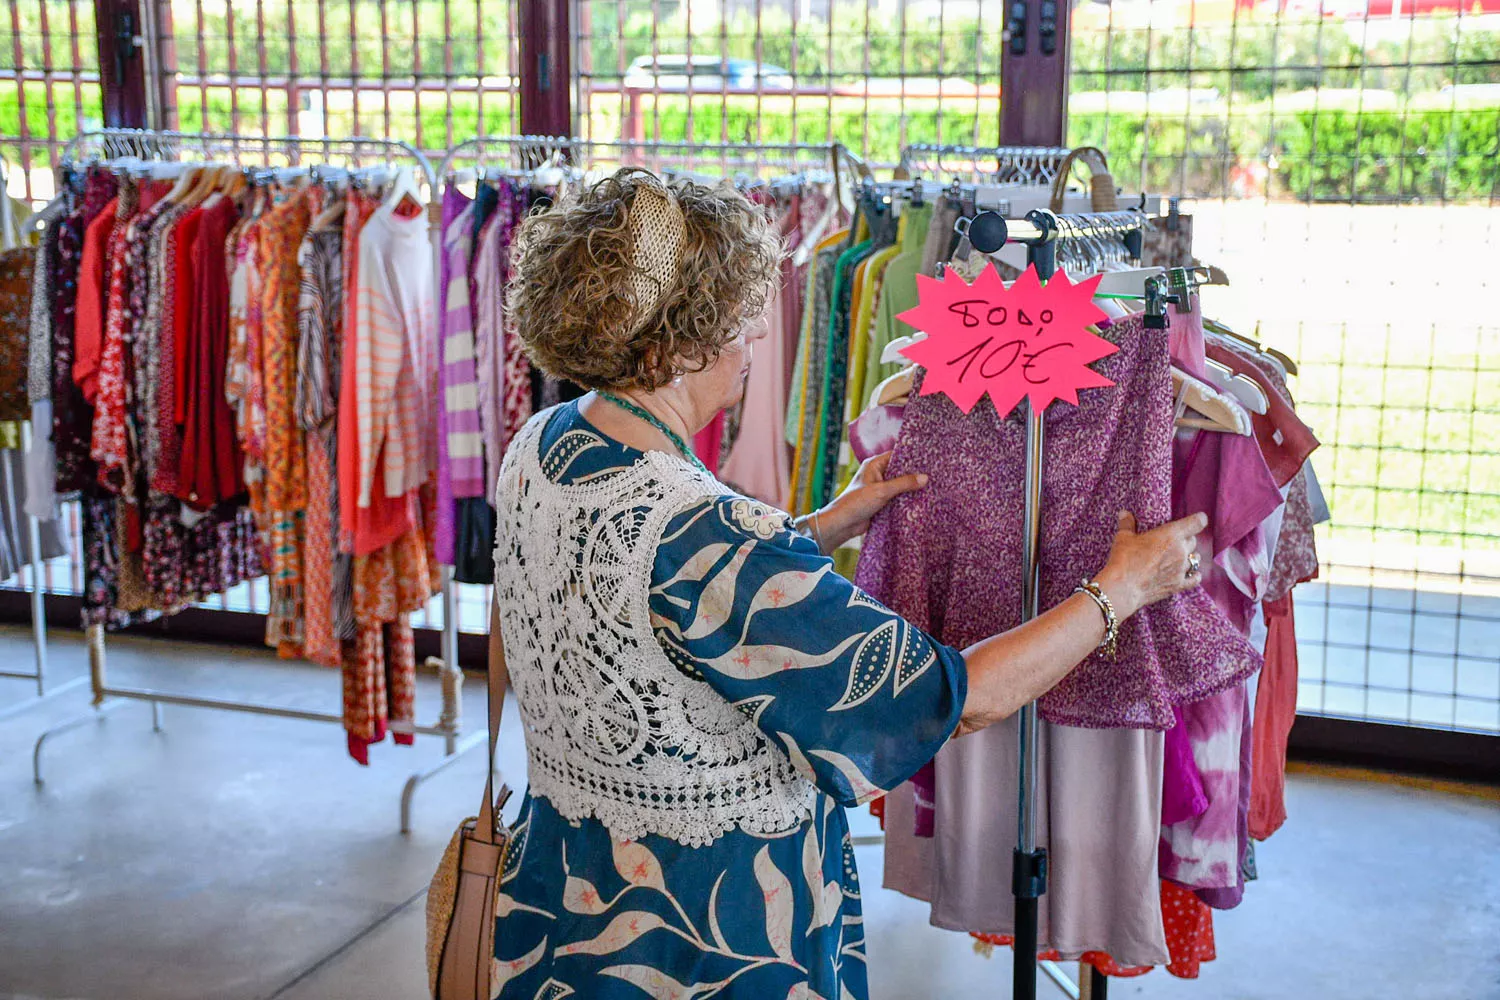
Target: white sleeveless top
<point>613,729</point>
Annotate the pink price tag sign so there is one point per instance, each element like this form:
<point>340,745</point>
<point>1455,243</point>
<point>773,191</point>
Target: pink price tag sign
<point>1030,341</point>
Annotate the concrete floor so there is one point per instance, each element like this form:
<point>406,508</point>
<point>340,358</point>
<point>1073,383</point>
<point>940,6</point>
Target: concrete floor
<point>231,857</point>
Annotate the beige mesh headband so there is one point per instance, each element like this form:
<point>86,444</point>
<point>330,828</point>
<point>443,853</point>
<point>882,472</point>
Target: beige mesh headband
<point>658,232</point>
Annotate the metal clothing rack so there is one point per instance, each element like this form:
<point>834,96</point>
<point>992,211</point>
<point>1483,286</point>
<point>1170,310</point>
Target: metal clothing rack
<point>37,588</point>
<point>1042,233</point>
<point>527,153</point>
<point>272,152</point>
<point>986,164</point>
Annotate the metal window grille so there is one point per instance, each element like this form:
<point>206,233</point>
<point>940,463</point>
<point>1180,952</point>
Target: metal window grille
<point>49,78</point>
<point>875,76</point>
<point>1344,161</point>
<point>430,72</point>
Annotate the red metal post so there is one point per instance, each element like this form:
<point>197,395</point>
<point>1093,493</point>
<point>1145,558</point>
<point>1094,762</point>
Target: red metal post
<point>546,67</point>
<point>122,66</point>
<point>1034,74</point>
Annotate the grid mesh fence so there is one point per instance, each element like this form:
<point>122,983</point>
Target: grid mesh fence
<point>1341,161</point>
<point>1344,163</point>
<point>875,76</point>
<point>429,72</point>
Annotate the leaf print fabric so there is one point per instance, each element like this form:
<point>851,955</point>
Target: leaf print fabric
<point>752,608</point>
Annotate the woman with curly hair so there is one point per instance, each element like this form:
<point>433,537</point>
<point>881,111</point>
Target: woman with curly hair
<point>702,695</point>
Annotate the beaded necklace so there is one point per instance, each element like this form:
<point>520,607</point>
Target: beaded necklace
<point>651,418</point>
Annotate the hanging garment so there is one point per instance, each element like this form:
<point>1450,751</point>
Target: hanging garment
<point>898,290</point>
<point>327,571</point>
<point>93,300</point>
<point>516,399</point>
<point>758,463</point>
<point>464,440</point>
<point>813,350</point>
<point>109,437</point>
<point>17,269</point>
<point>213,466</point>
<point>282,230</point>
<point>71,415</point>
<point>948,552</point>
<point>708,441</point>
<point>1182,794</point>
<point>15,532</point>
<point>41,464</point>
<point>474,549</point>
<point>830,432</point>
<point>1204,851</point>
<point>1187,923</point>
<point>395,353</point>
<point>1275,711</point>
<point>155,345</point>
<point>385,519</point>
<point>489,328</point>
<point>1284,439</point>
<point>1098,809</point>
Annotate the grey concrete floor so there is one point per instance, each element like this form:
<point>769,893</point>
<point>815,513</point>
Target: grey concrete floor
<point>247,858</point>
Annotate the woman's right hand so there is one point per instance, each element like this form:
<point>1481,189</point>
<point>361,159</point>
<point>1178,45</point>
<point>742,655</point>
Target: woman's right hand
<point>1147,566</point>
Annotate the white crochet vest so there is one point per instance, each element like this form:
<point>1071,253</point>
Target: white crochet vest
<point>613,729</point>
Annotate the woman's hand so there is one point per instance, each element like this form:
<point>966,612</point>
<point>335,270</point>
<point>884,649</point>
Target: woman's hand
<point>869,491</point>
<point>1146,566</point>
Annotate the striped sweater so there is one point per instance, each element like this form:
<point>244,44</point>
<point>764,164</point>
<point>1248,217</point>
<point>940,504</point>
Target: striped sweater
<point>465,440</point>
<point>395,356</point>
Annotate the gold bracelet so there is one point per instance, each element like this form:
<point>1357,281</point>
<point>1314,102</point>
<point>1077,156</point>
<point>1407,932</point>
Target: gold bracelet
<point>1109,646</point>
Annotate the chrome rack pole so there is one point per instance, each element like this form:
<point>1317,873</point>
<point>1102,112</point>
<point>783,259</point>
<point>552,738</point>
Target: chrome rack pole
<point>1040,232</point>
<point>1029,865</point>
<point>987,233</point>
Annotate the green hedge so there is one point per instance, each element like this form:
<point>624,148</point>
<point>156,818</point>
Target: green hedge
<point>1413,154</point>
<point>1418,152</point>
<point>64,109</point>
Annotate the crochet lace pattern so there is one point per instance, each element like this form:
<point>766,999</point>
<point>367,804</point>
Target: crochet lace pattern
<point>613,729</point>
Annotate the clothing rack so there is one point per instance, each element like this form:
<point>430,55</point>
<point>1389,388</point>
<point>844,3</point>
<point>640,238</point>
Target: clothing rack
<point>531,152</point>
<point>989,164</point>
<point>272,152</point>
<point>1042,233</point>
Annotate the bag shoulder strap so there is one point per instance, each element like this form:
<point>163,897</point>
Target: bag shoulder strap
<point>487,827</point>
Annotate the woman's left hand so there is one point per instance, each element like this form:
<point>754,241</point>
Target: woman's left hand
<point>869,491</point>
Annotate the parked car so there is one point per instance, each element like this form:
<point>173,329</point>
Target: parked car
<point>708,72</point>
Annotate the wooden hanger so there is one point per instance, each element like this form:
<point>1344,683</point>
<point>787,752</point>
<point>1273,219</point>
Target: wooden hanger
<point>894,388</point>
<point>1201,405</point>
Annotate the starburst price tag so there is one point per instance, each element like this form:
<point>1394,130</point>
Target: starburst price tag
<point>1029,341</point>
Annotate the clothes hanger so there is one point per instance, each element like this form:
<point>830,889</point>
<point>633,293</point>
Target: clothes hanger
<point>894,388</point>
<point>1243,388</point>
<point>403,188</point>
<point>1286,363</point>
<point>1201,405</point>
<point>186,181</point>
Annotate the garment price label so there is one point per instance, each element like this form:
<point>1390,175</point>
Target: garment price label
<point>1030,341</point>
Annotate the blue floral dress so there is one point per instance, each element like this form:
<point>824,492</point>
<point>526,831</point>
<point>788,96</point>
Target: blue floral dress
<point>584,914</point>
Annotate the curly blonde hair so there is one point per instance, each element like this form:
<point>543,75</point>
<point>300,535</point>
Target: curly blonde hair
<point>586,308</point>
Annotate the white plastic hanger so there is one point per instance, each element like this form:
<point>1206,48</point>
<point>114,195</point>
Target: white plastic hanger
<point>404,186</point>
<point>892,355</point>
<point>1201,405</point>
<point>1243,388</point>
